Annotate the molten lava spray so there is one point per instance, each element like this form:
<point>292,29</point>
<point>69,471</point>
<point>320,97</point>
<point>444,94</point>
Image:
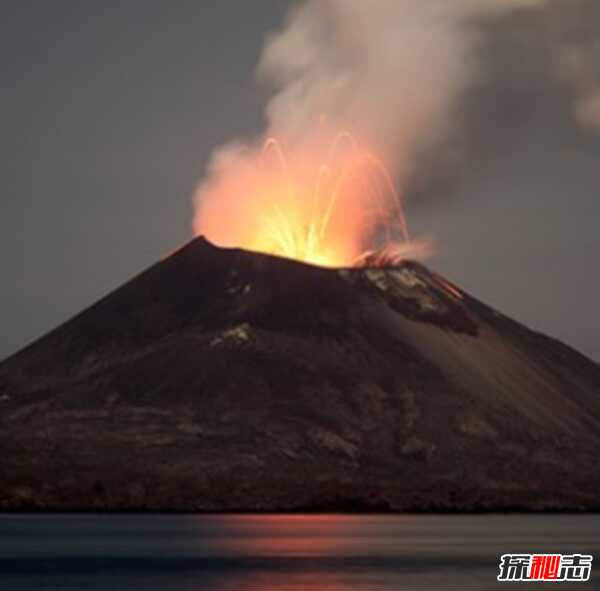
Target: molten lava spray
<point>390,72</point>
<point>323,204</point>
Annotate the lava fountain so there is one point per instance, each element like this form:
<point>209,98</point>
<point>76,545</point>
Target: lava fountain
<point>332,204</point>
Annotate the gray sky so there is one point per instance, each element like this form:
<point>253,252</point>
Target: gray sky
<point>110,111</point>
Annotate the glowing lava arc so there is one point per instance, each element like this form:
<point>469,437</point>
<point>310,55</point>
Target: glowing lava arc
<point>333,205</point>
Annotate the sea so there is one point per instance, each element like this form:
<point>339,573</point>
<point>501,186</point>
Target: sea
<point>165,552</point>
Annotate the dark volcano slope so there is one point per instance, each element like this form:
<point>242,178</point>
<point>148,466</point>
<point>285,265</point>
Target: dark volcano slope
<point>228,380</point>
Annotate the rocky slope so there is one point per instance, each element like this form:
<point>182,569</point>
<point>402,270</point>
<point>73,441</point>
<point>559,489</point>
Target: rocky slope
<point>227,380</point>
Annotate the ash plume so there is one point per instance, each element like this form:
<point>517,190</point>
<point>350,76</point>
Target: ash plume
<point>390,70</point>
<point>577,58</point>
<point>393,72</point>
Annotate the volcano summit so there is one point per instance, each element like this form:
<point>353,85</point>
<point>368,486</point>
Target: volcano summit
<point>222,379</point>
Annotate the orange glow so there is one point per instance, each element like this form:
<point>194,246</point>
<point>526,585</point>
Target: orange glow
<point>329,203</point>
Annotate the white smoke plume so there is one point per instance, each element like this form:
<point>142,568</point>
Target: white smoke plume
<point>579,64</point>
<point>392,72</point>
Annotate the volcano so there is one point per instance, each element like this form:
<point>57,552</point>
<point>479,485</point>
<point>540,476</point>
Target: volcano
<point>227,380</point>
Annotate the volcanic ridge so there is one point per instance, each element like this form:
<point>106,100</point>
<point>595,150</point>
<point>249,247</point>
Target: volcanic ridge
<point>227,380</point>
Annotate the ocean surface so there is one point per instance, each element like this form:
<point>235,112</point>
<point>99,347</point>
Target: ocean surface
<point>283,552</point>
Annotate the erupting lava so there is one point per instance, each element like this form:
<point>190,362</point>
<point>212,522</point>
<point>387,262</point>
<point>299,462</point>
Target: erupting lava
<point>334,206</point>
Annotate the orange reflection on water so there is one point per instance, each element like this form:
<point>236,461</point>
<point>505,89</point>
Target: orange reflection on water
<point>291,535</point>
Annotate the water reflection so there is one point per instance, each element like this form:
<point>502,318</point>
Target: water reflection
<point>278,552</point>
<point>311,535</point>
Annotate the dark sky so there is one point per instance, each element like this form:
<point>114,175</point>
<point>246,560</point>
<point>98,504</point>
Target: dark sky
<point>110,111</point>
